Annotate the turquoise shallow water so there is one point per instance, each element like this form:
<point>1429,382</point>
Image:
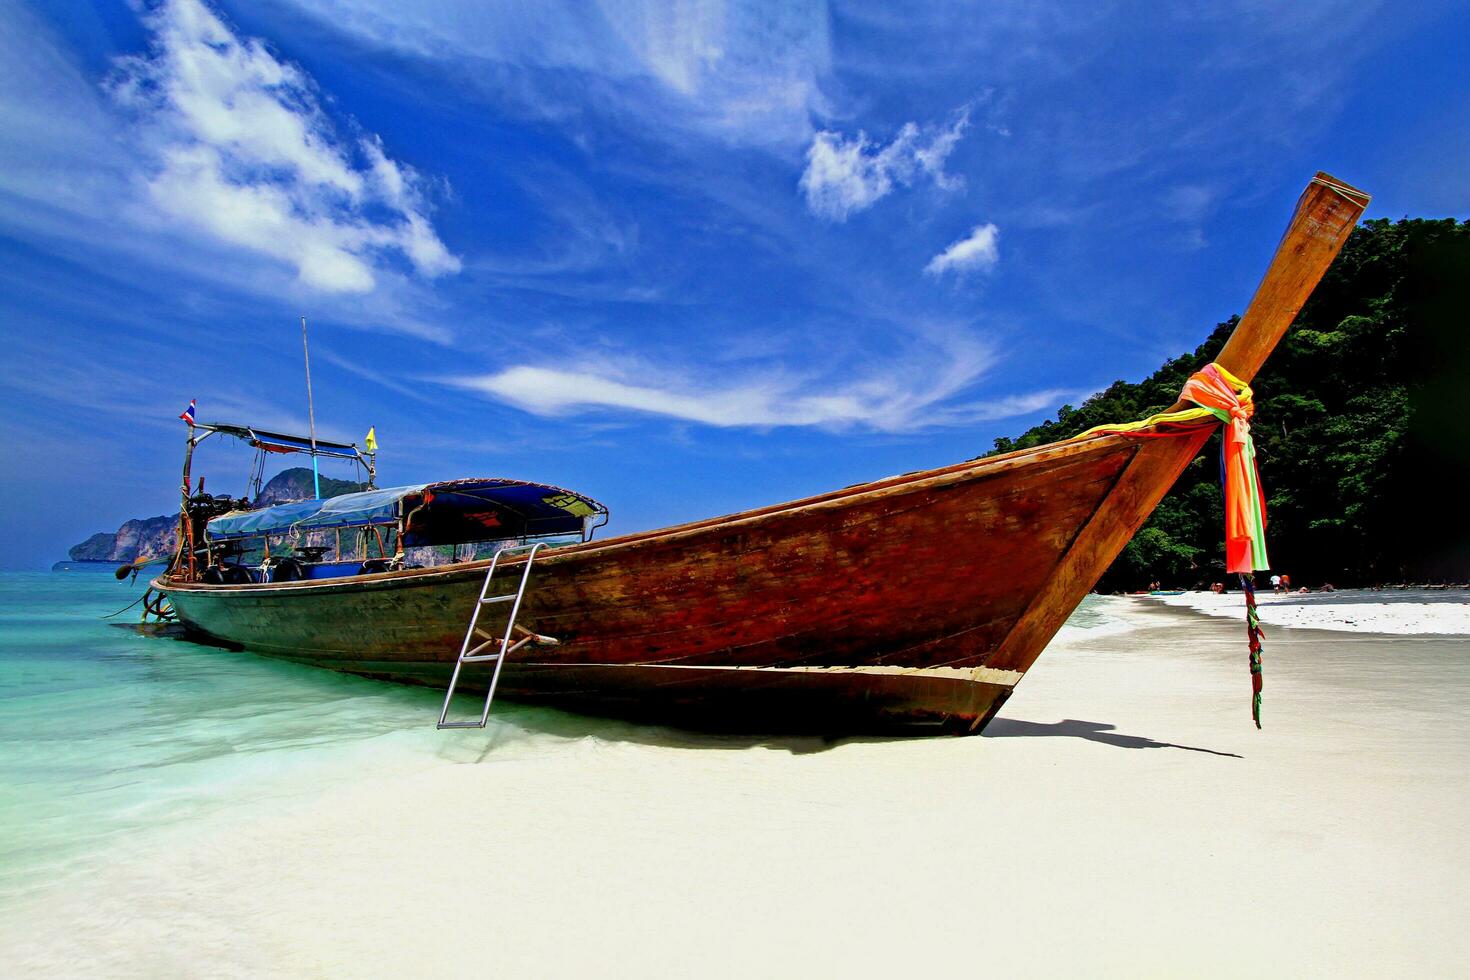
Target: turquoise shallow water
<point>106,734</point>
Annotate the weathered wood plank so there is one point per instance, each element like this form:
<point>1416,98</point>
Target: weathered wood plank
<point>916,574</point>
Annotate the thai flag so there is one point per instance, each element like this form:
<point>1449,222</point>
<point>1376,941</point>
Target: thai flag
<point>188,414</point>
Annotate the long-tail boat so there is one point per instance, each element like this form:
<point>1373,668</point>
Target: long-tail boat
<point>911,602</point>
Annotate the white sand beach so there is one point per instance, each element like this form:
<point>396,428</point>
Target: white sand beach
<point>1399,611</point>
<point>1121,818</point>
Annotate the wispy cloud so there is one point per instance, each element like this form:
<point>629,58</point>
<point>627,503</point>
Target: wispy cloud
<point>978,251</point>
<point>57,140</point>
<point>87,385</point>
<point>847,174</point>
<point>921,389</point>
<point>744,72</point>
<point>242,151</point>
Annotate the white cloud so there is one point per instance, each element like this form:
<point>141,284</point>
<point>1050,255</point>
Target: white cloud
<point>742,70</point>
<point>1009,406</point>
<point>915,391</point>
<point>242,151</point>
<point>846,174</point>
<point>553,391</point>
<point>976,252</point>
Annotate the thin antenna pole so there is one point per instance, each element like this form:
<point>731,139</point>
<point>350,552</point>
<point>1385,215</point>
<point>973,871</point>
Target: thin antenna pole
<point>316,480</point>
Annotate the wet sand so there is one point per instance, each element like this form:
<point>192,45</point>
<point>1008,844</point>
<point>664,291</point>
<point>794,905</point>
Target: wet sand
<point>1122,817</point>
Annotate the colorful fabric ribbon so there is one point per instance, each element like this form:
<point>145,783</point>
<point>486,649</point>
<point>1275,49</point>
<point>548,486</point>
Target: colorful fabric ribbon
<point>1229,399</point>
<point>1220,394</point>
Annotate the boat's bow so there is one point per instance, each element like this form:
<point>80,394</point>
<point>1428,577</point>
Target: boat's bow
<point>1324,217</point>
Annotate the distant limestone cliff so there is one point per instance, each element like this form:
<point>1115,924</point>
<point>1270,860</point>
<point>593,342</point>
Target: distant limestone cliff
<point>157,535</point>
<point>140,536</point>
<point>295,484</point>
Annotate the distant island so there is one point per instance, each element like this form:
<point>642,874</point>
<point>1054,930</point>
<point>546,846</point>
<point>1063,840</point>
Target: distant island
<point>157,535</point>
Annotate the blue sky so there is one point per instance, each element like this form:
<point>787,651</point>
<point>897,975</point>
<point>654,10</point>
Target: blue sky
<point>684,257</point>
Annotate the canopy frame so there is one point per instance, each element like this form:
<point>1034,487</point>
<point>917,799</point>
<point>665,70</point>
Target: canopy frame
<point>426,515</point>
<point>263,441</point>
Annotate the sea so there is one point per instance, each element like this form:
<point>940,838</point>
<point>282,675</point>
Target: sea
<point>109,736</point>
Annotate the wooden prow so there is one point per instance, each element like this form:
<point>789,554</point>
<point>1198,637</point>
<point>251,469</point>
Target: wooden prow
<point>1325,216</point>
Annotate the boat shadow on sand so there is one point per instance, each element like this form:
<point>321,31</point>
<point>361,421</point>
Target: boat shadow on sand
<point>1092,731</point>
<point>568,725</point>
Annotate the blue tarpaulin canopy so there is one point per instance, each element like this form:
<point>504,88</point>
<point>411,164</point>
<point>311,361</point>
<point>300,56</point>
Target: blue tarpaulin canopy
<point>347,510</point>
<point>437,513</point>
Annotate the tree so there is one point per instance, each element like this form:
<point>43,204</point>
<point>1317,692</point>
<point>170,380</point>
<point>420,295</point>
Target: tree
<point>1360,425</point>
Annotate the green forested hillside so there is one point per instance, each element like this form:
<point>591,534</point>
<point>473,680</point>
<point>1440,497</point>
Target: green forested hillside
<point>1362,426</point>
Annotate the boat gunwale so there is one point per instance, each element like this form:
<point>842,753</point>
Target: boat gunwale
<point>979,468</point>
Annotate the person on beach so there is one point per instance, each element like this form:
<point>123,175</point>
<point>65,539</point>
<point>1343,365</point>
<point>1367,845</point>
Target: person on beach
<point>1285,582</point>
<point>1275,583</point>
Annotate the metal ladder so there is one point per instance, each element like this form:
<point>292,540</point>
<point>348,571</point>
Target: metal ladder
<point>474,655</point>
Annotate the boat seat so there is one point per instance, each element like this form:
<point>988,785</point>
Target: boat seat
<point>376,566</point>
<point>227,575</point>
<point>286,570</point>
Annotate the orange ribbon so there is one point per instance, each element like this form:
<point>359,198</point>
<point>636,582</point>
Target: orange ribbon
<point>1229,399</point>
<point>1221,394</point>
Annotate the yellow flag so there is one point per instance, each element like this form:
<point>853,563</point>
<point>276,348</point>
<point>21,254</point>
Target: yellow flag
<point>372,439</point>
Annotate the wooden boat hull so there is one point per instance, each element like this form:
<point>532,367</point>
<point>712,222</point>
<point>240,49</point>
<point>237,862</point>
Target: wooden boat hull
<point>872,608</point>
<point>913,602</point>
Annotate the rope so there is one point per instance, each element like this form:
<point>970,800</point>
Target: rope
<point>125,608</point>
<point>1219,394</point>
<point>156,609</point>
<point>1253,633</point>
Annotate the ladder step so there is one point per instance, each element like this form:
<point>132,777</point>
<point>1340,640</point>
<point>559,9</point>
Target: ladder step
<point>473,655</point>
